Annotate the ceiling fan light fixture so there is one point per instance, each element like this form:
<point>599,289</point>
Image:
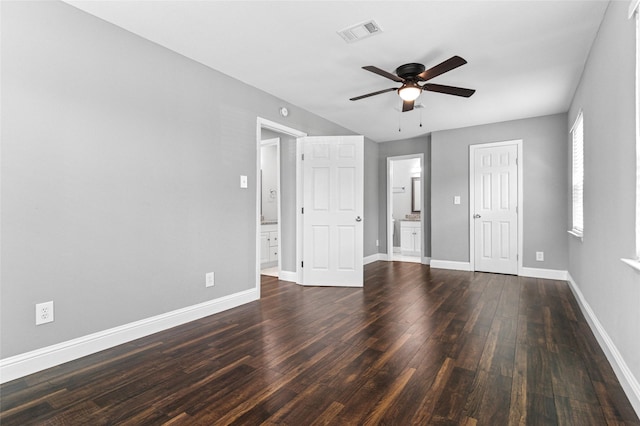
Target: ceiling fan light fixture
<point>409,91</point>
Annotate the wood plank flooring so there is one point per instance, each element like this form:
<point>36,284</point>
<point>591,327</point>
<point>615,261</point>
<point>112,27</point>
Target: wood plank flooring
<point>415,346</point>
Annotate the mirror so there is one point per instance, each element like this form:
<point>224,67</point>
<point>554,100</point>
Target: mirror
<point>415,195</point>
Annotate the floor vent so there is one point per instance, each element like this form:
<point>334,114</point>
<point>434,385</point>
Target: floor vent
<point>360,31</point>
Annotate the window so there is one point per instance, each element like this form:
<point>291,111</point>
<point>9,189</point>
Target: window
<point>634,10</point>
<point>634,13</point>
<point>577,177</point>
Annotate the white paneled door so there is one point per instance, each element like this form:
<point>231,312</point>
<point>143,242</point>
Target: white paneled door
<point>495,209</point>
<point>333,218</point>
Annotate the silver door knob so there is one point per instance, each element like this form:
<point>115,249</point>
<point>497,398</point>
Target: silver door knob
<point>476,216</point>
<point>358,219</point>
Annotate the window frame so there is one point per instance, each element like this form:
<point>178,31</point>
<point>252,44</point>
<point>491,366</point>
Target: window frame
<point>577,194</point>
<point>634,13</point>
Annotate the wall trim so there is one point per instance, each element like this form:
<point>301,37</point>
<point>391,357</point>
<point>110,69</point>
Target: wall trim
<point>371,258</point>
<point>627,380</point>
<point>450,264</point>
<point>40,359</point>
<point>548,274</point>
<point>384,257</point>
<point>288,276</point>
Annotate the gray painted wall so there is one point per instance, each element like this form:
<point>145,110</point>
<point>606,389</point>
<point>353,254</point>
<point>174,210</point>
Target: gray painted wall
<point>120,176</point>
<point>545,188</point>
<point>421,145</point>
<point>606,95</point>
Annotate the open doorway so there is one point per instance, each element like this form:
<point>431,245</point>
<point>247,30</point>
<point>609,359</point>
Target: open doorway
<point>270,208</point>
<point>405,208</point>
<point>276,217</point>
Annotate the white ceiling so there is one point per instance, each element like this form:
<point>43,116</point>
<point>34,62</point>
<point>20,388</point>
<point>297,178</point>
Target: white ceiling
<point>524,57</point>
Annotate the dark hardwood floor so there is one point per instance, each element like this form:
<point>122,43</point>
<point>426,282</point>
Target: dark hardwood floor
<point>415,346</point>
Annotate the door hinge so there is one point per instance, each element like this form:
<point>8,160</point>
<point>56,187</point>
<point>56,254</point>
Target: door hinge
<point>302,264</point>
<point>302,210</point>
<point>516,161</point>
<point>302,157</point>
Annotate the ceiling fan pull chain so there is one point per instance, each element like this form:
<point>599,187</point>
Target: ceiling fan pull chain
<point>420,117</point>
<point>399,122</point>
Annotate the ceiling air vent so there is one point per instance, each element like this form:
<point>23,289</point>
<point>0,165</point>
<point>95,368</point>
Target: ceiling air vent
<point>360,31</point>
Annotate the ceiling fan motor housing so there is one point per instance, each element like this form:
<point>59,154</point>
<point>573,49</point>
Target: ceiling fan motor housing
<point>409,71</point>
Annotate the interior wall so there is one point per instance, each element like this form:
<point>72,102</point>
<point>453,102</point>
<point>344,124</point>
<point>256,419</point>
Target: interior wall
<point>606,96</point>
<point>420,145</point>
<point>545,188</point>
<point>120,176</point>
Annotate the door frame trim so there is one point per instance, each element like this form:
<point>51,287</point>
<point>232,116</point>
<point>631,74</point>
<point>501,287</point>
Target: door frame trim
<point>472,151</point>
<point>263,123</point>
<point>389,221</point>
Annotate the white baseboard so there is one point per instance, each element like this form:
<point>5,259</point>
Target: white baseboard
<point>40,359</point>
<point>450,264</point>
<point>291,276</point>
<point>385,257</point>
<point>375,257</point>
<point>549,274</point>
<point>627,380</point>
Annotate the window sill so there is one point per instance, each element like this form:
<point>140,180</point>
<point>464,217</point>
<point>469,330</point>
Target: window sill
<point>576,234</point>
<point>635,264</point>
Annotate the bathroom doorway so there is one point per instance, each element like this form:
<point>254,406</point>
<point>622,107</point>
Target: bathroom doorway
<point>283,253</point>
<point>270,206</point>
<point>405,208</point>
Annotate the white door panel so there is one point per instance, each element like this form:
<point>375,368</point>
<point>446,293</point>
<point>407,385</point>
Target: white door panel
<point>495,209</point>
<point>333,204</point>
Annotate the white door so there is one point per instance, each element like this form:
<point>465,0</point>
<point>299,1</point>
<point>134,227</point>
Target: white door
<point>495,210</point>
<point>333,179</point>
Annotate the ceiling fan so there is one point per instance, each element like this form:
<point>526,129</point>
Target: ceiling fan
<point>411,74</point>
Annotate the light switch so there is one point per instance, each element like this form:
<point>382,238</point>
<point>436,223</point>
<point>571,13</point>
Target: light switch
<point>456,199</point>
<point>243,182</point>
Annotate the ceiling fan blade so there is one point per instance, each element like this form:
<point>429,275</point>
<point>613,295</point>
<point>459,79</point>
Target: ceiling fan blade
<point>383,73</point>
<point>449,90</point>
<point>451,63</point>
<point>357,98</point>
<point>407,106</point>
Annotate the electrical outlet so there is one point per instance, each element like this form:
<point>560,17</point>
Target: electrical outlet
<point>210,279</point>
<point>456,199</point>
<point>540,256</point>
<point>377,243</point>
<point>44,312</point>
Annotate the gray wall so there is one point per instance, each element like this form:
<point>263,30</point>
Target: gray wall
<point>545,188</point>
<point>606,95</point>
<point>421,145</point>
<point>120,176</point>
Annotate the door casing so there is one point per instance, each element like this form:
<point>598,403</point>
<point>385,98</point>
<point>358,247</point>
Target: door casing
<point>390,161</point>
<point>262,123</point>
